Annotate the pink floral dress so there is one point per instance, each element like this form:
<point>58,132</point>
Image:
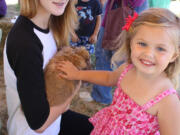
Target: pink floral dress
<point>125,117</point>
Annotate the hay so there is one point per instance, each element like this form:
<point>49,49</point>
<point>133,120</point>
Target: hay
<point>5,26</point>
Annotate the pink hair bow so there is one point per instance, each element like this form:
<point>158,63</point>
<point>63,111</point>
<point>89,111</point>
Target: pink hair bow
<point>129,21</point>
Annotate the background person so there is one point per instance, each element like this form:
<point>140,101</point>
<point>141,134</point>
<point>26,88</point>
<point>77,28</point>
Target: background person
<point>103,94</point>
<point>89,12</point>
<point>3,8</point>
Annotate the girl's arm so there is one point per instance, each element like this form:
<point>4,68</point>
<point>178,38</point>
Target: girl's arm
<point>93,38</point>
<point>74,37</point>
<point>55,111</point>
<point>103,2</point>
<point>26,61</point>
<point>169,116</point>
<point>98,24</point>
<point>105,78</point>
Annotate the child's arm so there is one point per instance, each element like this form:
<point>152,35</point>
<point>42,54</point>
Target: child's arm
<point>105,78</point>
<point>103,2</point>
<point>93,38</point>
<point>169,116</point>
<point>74,37</point>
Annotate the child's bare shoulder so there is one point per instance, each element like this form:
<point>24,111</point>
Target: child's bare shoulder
<point>117,72</point>
<point>168,115</point>
<point>122,67</point>
<point>171,101</point>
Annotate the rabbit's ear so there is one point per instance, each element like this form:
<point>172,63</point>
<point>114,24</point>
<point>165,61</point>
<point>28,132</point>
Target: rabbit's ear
<point>82,52</point>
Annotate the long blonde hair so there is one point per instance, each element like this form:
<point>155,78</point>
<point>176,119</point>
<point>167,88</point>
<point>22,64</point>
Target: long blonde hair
<point>61,26</point>
<point>156,17</point>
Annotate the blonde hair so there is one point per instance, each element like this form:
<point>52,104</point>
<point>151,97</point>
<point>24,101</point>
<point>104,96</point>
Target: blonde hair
<point>61,26</point>
<point>157,17</point>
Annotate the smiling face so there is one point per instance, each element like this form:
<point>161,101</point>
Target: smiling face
<point>54,7</point>
<point>152,50</point>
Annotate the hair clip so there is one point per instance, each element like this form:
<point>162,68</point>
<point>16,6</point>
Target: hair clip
<point>129,21</point>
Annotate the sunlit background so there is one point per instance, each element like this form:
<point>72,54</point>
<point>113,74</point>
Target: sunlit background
<point>174,6</point>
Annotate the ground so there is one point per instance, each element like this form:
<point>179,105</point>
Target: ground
<point>77,105</point>
<point>12,11</point>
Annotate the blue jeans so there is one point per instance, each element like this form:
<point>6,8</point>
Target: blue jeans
<point>99,93</point>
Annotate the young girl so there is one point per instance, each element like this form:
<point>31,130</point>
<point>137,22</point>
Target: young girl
<point>42,26</point>
<point>145,101</point>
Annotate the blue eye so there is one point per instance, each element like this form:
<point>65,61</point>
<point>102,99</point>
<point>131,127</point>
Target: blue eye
<point>142,44</point>
<point>161,49</point>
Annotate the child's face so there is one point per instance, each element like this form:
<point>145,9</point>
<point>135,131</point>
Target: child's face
<point>152,50</point>
<point>54,7</point>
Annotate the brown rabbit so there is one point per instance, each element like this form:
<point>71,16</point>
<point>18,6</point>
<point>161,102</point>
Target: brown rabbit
<point>59,89</point>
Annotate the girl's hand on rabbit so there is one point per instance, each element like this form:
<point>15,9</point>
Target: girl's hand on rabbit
<point>69,71</point>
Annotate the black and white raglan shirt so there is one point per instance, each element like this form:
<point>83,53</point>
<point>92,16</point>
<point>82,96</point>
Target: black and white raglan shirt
<point>27,51</point>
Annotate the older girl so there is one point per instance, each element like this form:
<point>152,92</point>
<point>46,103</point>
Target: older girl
<point>42,27</point>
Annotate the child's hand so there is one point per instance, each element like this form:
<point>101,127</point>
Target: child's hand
<point>93,39</point>
<point>74,38</point>
<point>103,2</point>
<point>70,71</point>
